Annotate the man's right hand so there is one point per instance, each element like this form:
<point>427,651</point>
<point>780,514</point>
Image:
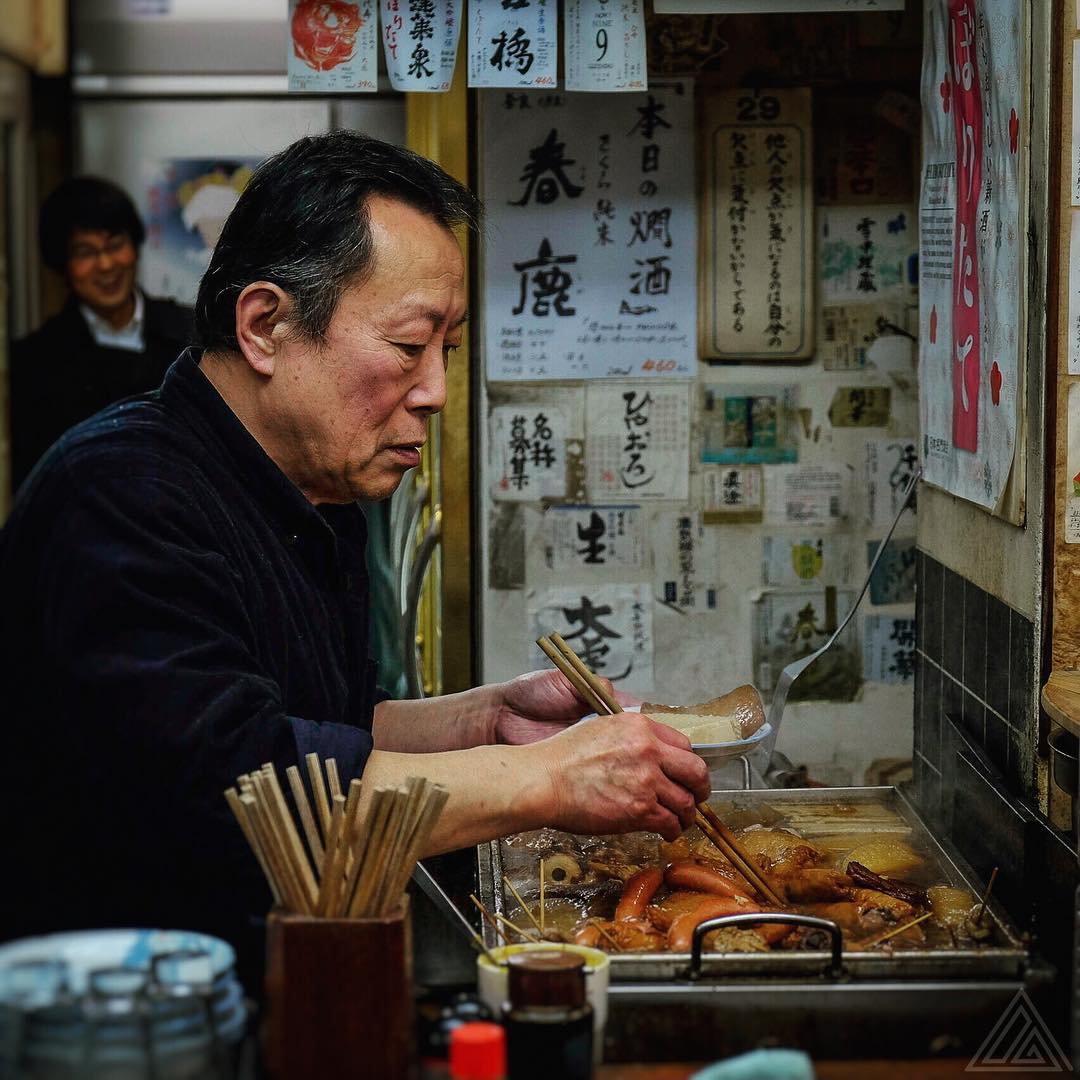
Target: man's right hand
<point>619,774</point>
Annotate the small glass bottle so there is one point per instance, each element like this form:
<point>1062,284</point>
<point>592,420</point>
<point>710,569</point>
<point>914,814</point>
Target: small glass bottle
<point>549,1024</point>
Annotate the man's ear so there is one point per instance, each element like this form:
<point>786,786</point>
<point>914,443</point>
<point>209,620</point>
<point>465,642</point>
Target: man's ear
<point>262,311</point>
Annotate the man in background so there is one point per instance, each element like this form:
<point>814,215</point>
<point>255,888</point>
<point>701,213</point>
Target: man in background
<point>109,341</point>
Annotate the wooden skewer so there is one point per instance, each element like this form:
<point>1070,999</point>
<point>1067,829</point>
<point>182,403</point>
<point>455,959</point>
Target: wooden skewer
<point>605,935</point>
<point>491,919</point>
<point>528,935</point>
<point>986,896</point>
<point>741,861</point>
<point>524,907</point>
<point>543,882</point>
<point>899,930</point>
<point>578,665</point>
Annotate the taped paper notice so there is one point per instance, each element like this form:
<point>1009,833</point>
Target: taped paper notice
<point>420,40</point>
<point>813,495</point>
<point>860,406</point>
<point>608,626</point>
<point>894,579</point>
<point>332,48</point>
<point>686,572</point>
<point>847,331</point>
<point>527,451</point>
<point>1072,478</point>
<point>806,559</point>
<point>867,253</point>
<point>791,625</point>
<point>888,649</point>
<point>1074,157</point>
<point>749,425</point>
<point>605,45</point>
<point>731,493</point>
<point>637,443</point>
<point>513,45</point>
<point>1074,292</point>
<point>888,467</point>
<point>580,537</point>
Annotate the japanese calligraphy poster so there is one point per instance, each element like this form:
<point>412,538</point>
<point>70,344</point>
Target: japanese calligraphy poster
<point>814,495</point>
<point>637,442</point>
<point>889,465</point>
<point>1072,476</point>
<point>731,493</point>
<point>894,577</point>
<point>332,46</point>
<point>608,626</point>
<point>757,226</point>
<point>685,562</point>
<point>420,40</point>
<point>806,559</point>
<point>605,45</point>
<point>1073,325</point>
<point>789,625</point>
<point>867,253</point>
<point>580,537</point>
<point>590,261</point>
<point>748,424</point>
<point>971,319</point>
<point>888,649</point>
<point>513,44</point>
<point>527,448</point>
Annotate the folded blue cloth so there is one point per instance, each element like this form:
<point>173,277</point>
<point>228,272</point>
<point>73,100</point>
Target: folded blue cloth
<point>761,1065</point>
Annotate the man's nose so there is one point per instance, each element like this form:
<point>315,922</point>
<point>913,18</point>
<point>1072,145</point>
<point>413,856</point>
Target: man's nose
<point>429,392</point>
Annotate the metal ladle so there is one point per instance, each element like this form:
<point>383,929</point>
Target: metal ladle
<point>797,667</point>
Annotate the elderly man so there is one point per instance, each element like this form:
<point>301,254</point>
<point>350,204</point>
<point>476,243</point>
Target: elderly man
<point>109,341</point>
<point>185,586</point>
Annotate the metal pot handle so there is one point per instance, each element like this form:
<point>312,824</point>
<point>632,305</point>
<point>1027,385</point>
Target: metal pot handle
<point>835,968</point>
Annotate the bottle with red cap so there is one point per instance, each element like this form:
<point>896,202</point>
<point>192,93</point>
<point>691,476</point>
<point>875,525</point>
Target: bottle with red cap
<point>478,1052</point>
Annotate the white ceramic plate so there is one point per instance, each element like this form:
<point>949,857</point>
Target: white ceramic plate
<point>716,751</point>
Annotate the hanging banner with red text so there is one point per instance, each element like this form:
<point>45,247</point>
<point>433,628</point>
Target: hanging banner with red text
<point>420,41</point>
<point>971,319</point>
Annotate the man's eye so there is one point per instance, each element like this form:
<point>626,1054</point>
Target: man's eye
<point>411,347</point>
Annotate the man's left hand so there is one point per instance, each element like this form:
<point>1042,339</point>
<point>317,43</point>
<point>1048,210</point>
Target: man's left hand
<point>540,704</point>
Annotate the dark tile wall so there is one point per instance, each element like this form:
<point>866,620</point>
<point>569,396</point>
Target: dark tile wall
<point>974,666</point>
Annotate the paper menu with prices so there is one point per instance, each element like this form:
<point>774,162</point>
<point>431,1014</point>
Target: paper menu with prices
<point>608,626</point>
<point>889,465</point>
<point>805,559</point>
<point>889,649</point>
<point>867,253</point>
<point>604,43</point>
<point>731,493</point>
<point>589,267</point>
<point>332,48</point>
<point>637,441</point>
<point>814,495</point>
<point>420,40</point>
<point>582,537</point>
<point>527,451</point>
<point>686,571</point>
<point>514,44</point>
<point>789,625</point>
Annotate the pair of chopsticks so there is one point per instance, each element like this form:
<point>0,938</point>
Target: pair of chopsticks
<point>351,867</point>
<point>593,692</point>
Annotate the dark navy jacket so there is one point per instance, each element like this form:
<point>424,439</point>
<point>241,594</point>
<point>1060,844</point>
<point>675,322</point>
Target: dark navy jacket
<point>174,613</point>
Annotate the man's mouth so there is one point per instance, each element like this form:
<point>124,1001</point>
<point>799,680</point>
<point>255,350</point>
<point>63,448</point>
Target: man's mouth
<point>407,453</point>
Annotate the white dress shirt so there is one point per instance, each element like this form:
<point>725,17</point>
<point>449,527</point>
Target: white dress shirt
<point>127,337</point>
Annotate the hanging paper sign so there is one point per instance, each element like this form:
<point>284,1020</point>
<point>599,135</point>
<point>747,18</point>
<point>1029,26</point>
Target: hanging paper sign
<point>637,442</point>
<point>770,7</point>
<point>807,495</point>
<point>1073,327</point>
<point>889,465</point>
<point>867,253</point>
<point>590,258</point>
<point>332,46</point>
<point>749,424</point>
<point>731,493</point>
<point>971,321</point>
<point>605,45</point>
<point>580,537</point>
<point>888,649</point>
<point>805,559</point>
<point>1072,466</point>
<point>757,220</point>
<point>608,626</point>
<point>420,40</point>
<point>527,447</point>
<point>685,563</point>
<point>514,44</point>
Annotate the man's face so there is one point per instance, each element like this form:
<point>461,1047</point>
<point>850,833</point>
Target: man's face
<point>356,407</point>
<point>101,269</point>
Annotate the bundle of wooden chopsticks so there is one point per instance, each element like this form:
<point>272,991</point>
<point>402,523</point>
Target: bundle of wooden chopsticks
<point>351,866</point>
<point>593,692</point>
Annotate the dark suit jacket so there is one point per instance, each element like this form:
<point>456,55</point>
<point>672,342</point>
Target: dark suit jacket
<point>60,375</point>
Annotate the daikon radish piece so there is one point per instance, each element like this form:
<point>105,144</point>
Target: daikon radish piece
<point>884,855</point>
<point>734,716</point>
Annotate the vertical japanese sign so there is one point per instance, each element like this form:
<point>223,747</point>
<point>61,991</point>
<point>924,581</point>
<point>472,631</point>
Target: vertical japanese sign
<point>581,537</point>
<point>971,243</point>
<point>527,448</point>
<point>637,442</point>
<point>589,264</point>
<point>605,45</point>
<point>608,626</point>
<point>420,40</point>
<point>515,43</point>
<point>757,211</point>
<point>889,649</point>
<point>332,46</point>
